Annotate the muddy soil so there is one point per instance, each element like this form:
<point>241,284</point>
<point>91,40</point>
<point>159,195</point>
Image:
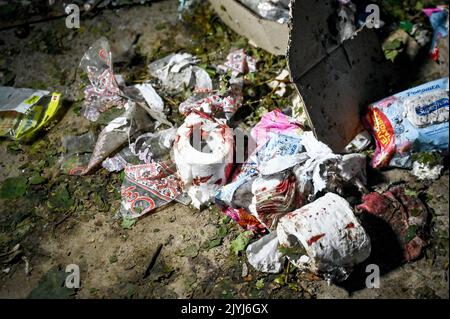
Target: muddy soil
<point>64,220</point>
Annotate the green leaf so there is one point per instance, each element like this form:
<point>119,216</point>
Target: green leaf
<point>14,147</point>
<point>128,223</point>
<point>113,259</point>
<point>281,279</point>
<point>242,240</point>
<point>393,45</point>
<point>52,286</point>
<point>260,284</point>
<point>419,6</point>
<point>411,233</point>
<point>189,251</point>
<point>36,179</point>
<point>294,286</point>
<point>391,55</point>
<point>410,192</point>
<point>60,198</point>
<point>122,176</point>
<point>406,25</point>
<point>215,242</point>
<point>223,231</point>
<point>13,187</point>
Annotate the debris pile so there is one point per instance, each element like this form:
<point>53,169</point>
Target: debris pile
<point>302,200</point>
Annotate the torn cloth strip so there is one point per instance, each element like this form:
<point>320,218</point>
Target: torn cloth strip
<point>406,215</point>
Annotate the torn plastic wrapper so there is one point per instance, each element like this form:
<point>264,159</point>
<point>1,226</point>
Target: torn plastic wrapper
<point>153,100</point>
<point>151,180</point>
<point>25,112</point>
<point>359,143</point>
<point>223,105</point>
<point>115,135</point>
<point>205,163</point>
<point>239,63</point>
<point>145,149</point>
<point>415,120</point>
<point>236,199</point>
<point>274,196</point>
<point>78,151</point>
<point>149,186</point>
<point>407,216</point>
<point>178,72</point>
<point>103,92</point>
<point>439,21</point>
<point>329,171</point>
<point>331,235</point>
<point>274,122</point>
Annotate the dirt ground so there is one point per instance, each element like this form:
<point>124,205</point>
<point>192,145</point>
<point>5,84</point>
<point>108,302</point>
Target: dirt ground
<point>84,230</point>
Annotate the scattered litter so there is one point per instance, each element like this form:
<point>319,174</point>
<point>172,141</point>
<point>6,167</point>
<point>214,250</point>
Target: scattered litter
<point>346,24</point>
<point>238,63</point>
<point>146,148</point>
<point>149,186</point>
<point>244,270</point>
<point>415,120</point>
<point>186,6</point>
<point>107,90</point>
<point>154,101</point>
<point>112,138</point>
<point>150,179</point>
<point>288,169</point>
<point>25,112</point>
<point>407,216</point>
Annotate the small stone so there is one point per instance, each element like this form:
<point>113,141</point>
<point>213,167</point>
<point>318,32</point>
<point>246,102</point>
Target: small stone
<point>244,270</point>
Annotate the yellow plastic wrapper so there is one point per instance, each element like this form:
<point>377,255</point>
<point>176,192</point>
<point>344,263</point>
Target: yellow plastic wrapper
<point>24,112</point>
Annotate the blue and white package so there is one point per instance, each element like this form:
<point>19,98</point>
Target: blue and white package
<point>415,120</point>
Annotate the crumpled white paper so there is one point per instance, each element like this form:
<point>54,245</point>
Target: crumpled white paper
<point>177,72</point>
<point>264,254</point>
